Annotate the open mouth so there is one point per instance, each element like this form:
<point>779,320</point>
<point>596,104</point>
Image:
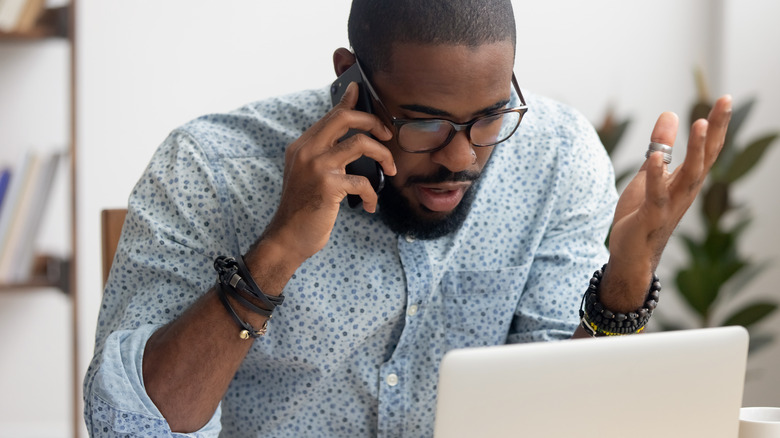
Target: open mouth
<point>441,197</point>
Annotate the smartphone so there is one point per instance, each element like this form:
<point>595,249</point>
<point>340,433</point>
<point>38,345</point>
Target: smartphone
<point>363,166</point>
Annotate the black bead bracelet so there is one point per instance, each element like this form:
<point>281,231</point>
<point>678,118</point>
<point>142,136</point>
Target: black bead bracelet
<point>600,321</point>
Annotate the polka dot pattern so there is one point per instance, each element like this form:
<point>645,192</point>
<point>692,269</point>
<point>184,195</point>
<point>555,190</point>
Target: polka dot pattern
<point>355,349</point>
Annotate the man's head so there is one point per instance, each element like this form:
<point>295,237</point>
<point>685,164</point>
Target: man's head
<point>426,59</point>
<point>375,26</point>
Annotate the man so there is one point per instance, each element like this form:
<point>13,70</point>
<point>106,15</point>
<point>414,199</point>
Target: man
<point>475,240</point>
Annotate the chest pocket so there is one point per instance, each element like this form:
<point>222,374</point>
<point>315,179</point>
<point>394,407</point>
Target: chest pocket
<point>478,306</point>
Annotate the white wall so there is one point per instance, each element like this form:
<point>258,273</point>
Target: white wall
<point>147,66</point>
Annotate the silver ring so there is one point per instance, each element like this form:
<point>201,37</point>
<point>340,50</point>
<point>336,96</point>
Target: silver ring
<point>660,147</point>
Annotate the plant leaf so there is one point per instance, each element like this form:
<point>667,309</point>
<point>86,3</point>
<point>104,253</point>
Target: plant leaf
<point>749,157</point>
<point>740,280</point>
<point>738,118</point>
<point>751,314</point>
<point>714,261</point>
<point>758,342</point>
<point>700,110</point>
<point>691,284</point>
<point>726,156</point>
<point>715,202</point>
<point>740,226</point>
<point>695,249</point>
<point>668,326</point>
<point>611,134</point>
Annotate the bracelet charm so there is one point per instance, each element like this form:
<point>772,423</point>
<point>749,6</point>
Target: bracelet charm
<point>234,279</point>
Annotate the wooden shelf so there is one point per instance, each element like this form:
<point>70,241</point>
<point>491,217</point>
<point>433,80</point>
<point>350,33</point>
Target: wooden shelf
<point>52,24</point>
<point>48,272</point>
<point>59,24</point>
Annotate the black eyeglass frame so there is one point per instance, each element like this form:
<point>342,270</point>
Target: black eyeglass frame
<point>457,127</point>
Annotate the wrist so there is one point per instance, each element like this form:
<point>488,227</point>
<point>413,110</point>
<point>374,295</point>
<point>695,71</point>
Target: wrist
<point>624,286</point>
<point>600,319</point>
<point>272,264</point>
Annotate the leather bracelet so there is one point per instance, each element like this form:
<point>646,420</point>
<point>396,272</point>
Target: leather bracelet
<point>600,321</point>
<point>233,273</point>
<point>247,330</point>
<point>253,288</point>
<point>233,278</point>
<point>236,295</point>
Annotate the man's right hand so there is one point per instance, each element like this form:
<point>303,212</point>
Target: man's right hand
<point>315,180</point>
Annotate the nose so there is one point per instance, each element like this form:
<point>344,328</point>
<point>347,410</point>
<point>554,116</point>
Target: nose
<point>457,155</point>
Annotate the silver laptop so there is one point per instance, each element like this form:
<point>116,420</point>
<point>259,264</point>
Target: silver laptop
<point>672,384</point>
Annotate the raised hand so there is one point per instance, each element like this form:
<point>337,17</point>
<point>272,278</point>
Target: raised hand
<point>653,203</point>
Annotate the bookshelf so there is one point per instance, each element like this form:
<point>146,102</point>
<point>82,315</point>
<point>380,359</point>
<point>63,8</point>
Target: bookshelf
<point>55,272</point>
<point>53,23</point>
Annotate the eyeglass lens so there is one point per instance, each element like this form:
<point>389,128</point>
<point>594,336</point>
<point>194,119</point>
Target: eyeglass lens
<point>426,135</point>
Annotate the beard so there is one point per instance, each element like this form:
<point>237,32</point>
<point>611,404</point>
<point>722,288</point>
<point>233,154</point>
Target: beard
<point>397,213</point>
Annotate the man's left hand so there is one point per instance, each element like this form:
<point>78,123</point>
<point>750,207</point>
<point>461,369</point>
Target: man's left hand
<point>653,203</point>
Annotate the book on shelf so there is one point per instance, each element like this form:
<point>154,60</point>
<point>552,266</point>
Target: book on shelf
<point>19,176</point>
<point>35,180</point>
<point>20,15</point>
<point>5,178</point>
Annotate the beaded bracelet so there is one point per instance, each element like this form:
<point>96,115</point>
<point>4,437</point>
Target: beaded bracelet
<point>233,278</point>
<point>599,321</point>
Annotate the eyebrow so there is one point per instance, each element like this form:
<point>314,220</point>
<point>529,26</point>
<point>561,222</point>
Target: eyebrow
<point>441,113</point>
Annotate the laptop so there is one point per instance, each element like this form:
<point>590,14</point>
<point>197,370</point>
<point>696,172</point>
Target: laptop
<point>685,383</point>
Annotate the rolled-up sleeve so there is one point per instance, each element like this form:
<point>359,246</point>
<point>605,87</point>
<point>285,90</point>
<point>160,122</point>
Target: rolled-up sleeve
<point>118,405</point>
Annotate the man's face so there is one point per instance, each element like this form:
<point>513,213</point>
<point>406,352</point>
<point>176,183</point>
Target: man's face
<point>431,194</point>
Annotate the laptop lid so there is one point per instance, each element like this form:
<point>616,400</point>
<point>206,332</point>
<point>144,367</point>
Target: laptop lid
<point>672,384</point>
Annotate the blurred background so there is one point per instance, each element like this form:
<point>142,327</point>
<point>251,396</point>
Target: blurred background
<point>144,67</point>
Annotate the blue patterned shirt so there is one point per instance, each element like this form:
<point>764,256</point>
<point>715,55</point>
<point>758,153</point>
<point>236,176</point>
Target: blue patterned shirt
<point>354,351</point>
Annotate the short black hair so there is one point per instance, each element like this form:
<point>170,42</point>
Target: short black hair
<point>375,25</point>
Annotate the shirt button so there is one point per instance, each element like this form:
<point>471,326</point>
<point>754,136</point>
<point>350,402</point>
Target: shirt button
<point>392,380</point>
<point>412,310</point>
<point>409,238</point>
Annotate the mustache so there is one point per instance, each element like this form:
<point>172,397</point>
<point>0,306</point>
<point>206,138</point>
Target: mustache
<point>443,175</point>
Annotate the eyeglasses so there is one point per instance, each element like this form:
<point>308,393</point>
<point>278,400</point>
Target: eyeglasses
<point>430,135</point>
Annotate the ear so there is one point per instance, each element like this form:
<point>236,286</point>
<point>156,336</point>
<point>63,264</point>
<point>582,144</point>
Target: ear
<point>342,60</point>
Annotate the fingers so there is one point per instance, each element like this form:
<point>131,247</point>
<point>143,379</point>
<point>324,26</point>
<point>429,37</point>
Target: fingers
<point>704,144</point>
<point>352,148</point>
<point>343,117</point>
<point>359,185</point>
<point>718,119</point>
<point>342,136</point>
<point>665,129</point>
<point>692,171</point>
<point>665,132</point>
<point>655,186</point>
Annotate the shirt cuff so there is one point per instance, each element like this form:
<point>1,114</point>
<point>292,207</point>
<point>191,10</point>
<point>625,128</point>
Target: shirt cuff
<point>119,402</point>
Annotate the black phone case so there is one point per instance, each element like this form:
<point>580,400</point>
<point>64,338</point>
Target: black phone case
<point>363,166</point>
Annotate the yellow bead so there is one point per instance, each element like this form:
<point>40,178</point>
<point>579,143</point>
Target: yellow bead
<point>244,334</point>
